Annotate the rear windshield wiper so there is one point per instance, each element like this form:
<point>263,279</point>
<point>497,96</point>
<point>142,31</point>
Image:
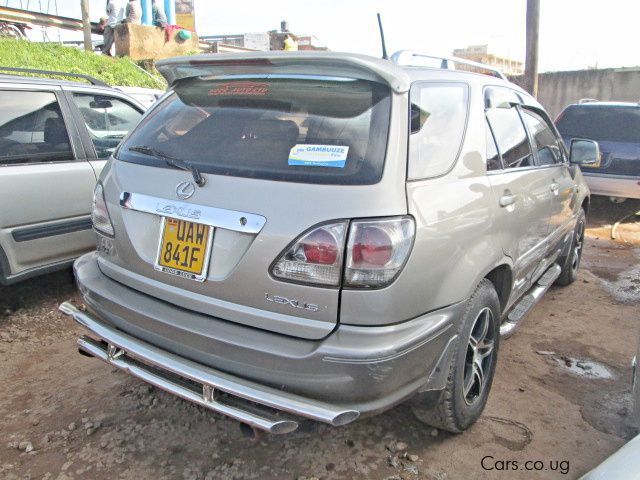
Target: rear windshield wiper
<point>172,161</point>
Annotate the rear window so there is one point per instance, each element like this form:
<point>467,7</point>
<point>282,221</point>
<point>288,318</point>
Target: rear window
<point>601,123</point>
<point>327,131</point>
<point>438,121</point>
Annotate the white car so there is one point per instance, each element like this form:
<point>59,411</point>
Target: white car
<point>55,137</point>
<point>622,465</point>
<point>146,96</point>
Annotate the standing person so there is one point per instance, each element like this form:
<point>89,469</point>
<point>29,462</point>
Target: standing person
<point>290,45</point>
<point>133,13</point>
<point>115,12</point>
<point>158,15</point>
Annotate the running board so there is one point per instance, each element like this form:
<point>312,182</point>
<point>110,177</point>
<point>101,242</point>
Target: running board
<point>526,303</point>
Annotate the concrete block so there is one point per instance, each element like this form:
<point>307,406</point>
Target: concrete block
<point>141,42</point>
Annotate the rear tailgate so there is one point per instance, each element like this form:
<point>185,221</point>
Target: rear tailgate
<point>257,197</point>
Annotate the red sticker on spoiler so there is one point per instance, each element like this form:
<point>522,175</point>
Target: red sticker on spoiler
<point>253,89</point>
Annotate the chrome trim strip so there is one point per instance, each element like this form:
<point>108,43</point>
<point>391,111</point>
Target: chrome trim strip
<point>208,377</point>
<point>503,170</point>
<point>216,217</point>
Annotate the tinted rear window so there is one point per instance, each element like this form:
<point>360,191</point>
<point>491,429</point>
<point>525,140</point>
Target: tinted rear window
<point>613,124</point>
<point>330,131</point>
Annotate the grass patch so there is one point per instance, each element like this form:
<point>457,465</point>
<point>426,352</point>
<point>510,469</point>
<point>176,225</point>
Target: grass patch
<point>51,56</point>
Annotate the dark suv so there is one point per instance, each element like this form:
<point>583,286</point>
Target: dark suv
<point>616,128</point>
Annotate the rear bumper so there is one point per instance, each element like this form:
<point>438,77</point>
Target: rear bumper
<point>353,371</point>
<point>613,185</point>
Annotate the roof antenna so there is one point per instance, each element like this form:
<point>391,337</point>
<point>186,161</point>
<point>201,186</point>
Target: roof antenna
<point>384,46</point>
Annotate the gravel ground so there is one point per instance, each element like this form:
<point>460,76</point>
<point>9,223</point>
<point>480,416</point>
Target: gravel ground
<point>561,396</point>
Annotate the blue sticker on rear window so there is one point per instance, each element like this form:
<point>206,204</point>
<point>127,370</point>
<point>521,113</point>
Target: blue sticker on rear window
<point>318,156</point>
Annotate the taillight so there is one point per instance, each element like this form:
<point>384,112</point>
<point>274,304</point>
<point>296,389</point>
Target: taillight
<point>372,246</point>
<point>320,247</point>
<point>377,250</point>
<point>100,214</point>
<point>315,258</point>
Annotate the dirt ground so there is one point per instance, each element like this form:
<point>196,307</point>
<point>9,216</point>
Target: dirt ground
<point>64,416</point>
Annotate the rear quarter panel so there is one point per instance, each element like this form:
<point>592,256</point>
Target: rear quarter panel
<point>454,246</point>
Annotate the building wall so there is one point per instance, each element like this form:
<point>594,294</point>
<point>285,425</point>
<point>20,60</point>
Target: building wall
<point>480,54</point>
<point>556,90</point>
<point>257,41</point>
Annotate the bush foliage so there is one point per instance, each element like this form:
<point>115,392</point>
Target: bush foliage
<point>51,56</point>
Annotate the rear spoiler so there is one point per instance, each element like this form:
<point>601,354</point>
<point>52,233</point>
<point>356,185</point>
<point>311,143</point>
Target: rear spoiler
<point>326,64</point>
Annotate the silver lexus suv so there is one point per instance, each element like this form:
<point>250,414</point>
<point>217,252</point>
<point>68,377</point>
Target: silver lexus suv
<point>290,236</point>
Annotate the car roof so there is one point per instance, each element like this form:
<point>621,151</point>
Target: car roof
<point>29,80</point>
<point>21,79</point>
<point>138,90</point>
<point>605,104</point>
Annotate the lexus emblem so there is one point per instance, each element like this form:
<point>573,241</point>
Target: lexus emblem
<point>185,190</point>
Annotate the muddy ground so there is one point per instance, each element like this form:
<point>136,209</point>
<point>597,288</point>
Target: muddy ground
<point>65,416</point>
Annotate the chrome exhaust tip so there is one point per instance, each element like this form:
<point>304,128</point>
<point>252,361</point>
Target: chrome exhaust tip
<point>249,432</point>
<point>84,353</point>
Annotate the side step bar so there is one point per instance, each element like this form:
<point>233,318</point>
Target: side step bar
<point>526,303</point>
<point>258,406</point>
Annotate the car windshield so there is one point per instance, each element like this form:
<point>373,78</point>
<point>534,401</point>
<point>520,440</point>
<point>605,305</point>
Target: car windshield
<point>329,131</point>
<point>601,123</point>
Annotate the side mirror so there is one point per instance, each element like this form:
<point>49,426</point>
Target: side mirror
<point>585,152</point>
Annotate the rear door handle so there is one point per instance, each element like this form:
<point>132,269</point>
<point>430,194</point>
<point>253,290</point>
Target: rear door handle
<point>507,199</point>
<point>555,187</point>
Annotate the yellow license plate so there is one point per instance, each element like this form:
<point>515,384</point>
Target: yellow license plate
<point>184,249</point>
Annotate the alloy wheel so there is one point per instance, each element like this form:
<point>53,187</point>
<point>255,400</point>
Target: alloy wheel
<point>479,358</point>
<point>576,254</point>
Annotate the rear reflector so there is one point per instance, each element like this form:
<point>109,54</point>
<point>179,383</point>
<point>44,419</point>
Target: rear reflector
<point>99,213</point>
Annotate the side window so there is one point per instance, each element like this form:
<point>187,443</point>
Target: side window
<point>545,142</point>
<point>493,157</point>
<point>511,137</point>
<point>32,129</point>
<point>438,120</point>
<point>108,120</point>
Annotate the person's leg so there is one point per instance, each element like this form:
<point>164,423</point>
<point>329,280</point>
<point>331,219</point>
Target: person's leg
<point>108,40</point>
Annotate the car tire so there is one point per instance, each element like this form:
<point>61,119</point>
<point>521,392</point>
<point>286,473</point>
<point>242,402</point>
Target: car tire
<point>571,263</point>
<point>472,366</point>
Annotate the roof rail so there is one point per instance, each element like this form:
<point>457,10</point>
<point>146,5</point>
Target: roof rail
<point>406,57</point>
<point>88,78</point>
<point>587,100</point>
